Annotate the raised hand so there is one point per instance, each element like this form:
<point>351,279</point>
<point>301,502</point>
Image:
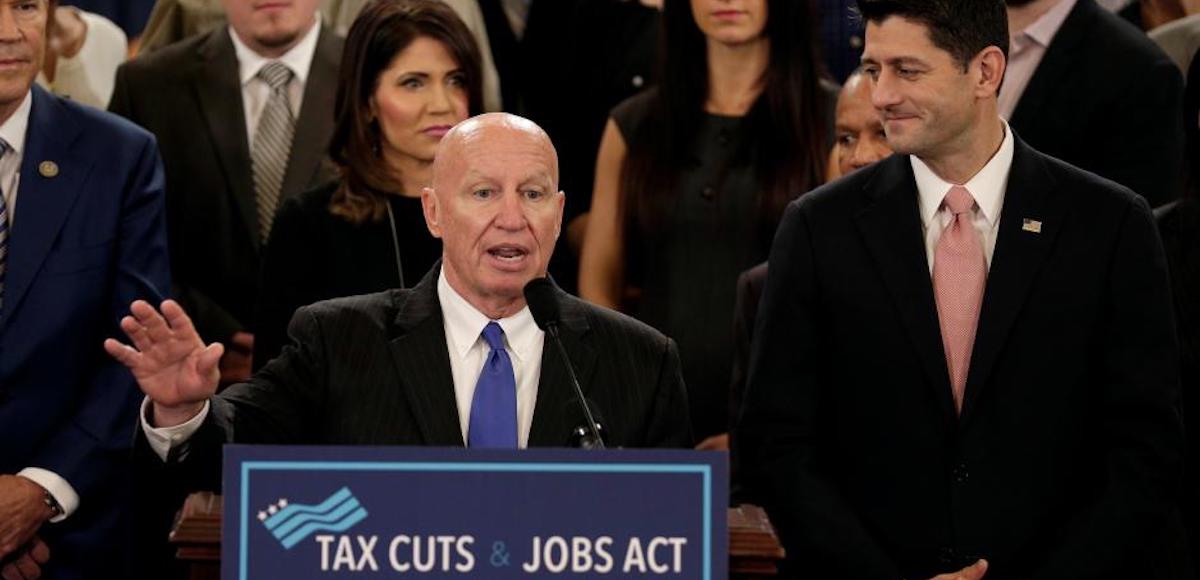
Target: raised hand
<point>975,571</point>
<point>169,360</point>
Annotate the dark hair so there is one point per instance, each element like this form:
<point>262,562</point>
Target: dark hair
<point>787,122</point>
<point>962,28</point>
<point>382,30</point>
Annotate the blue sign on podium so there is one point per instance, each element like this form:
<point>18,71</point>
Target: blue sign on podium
<point>365,512</point>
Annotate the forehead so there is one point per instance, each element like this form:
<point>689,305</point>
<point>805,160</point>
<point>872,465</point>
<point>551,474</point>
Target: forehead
<point>503,155</point>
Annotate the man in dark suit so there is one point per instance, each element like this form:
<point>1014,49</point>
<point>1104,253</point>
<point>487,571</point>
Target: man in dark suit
<point>403,367</point>
<point>239,134</point>
<point>1092,90</point>
<point>82,232</point>
<point>965,361</point>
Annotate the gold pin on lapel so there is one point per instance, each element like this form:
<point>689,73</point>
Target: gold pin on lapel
<point>48,169</point>
<point>1031,226</point>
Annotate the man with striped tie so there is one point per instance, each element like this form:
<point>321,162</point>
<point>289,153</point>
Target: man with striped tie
<point>965,363</point>
<point>82,232</point>
<point>243,115</point>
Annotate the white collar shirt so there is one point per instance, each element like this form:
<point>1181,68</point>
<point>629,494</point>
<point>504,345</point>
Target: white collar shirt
<point>256,91</point>
<point>13,132</point>
<point>987,186</point>
<point>523,340</point>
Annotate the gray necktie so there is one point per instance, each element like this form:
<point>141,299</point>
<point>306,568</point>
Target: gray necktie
<point>272,144</point>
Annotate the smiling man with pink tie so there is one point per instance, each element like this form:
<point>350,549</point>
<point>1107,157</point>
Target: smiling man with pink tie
<point>965,364</point>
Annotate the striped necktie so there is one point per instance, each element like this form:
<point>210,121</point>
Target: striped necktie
<point>272,144</point>
<point>4,149</point>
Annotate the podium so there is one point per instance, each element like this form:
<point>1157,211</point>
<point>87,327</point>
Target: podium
<point>754,549</point>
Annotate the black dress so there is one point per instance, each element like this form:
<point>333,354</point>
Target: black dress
<point>314,255</point>
<point>687,266</point>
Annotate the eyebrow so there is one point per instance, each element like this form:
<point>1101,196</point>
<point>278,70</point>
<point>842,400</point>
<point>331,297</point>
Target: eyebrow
<point>897,61</point>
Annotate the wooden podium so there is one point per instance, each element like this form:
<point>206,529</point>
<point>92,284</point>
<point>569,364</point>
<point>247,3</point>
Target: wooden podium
<point>754,549</point>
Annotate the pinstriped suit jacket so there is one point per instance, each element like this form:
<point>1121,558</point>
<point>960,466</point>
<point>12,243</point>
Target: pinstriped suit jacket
<point>375,370</point>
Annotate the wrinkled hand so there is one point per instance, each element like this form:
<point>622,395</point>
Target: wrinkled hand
<point>718,442</point>
<point>236,366</point>
<point>169,360</point>
<point>973,572</point>
<point>26,564</point>
<point>22,512</point>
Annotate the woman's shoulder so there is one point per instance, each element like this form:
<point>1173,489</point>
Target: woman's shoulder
<point>632,112</point>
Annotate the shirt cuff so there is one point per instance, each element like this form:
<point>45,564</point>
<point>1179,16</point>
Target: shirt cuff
<point>163,439</point>
<point>59,489</point>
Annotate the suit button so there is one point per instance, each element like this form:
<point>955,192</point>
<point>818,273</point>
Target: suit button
<point>961,475</point>
<point>708,193</point>
<point>946,556</point>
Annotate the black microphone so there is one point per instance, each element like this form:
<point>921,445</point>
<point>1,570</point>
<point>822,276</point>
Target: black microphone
<point>539,295</point>
<point>582,437</point>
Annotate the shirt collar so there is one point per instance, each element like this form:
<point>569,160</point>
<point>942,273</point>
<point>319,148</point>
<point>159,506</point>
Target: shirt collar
<point>987,186</point>
<point>464,324</point>
<point>1043,29</point>
<point>299,58</point>
<point>13,130</point>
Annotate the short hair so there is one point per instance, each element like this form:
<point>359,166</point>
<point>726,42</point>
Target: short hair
<point>962,28</point>
<point>383,30</point>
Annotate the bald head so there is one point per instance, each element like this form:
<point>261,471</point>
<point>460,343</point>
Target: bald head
<point>489,132</point>
<point>495,204</point>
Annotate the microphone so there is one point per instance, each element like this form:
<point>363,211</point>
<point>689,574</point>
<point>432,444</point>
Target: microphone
<point>582,437</point>
<point>539,295</point>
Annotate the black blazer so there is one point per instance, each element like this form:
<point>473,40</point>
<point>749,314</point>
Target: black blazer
<point>375,370</point>
<point>1066,460</point>
<point>188,94</point>
<point>1107,99</point>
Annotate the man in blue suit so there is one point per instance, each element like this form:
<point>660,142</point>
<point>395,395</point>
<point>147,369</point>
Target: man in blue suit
<point>81,235</point>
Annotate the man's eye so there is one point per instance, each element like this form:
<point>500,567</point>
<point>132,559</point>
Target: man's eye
<point>907,72</point>
<point>482,193</point>
<point>846,139</point>
<point>533,194</point>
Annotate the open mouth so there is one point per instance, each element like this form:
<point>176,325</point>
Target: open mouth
<point>508,254</point>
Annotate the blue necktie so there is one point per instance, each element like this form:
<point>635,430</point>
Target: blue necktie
<point>494,406</point>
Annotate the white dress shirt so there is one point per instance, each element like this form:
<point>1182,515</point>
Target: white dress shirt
<point>256,91</point>
<point>1025,53</point>
<point>987,187</point>
<point>13,132</point>
<point>463,325</point>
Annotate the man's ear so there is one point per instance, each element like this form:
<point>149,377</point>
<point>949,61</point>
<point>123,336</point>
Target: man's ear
<point>990,64</point>
<point>429,206</point>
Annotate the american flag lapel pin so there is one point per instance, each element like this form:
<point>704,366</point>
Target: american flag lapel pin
<point>1033,226</point>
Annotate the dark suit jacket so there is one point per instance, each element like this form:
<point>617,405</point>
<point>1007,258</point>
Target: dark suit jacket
<point>189,96</point>
<point>1066,460</point>
<point>1107,99</point>
<point>85,243</point>
<point>375,370</point>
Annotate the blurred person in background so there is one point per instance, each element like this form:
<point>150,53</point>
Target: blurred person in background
<point>692,177</point>
<point>409,73</point>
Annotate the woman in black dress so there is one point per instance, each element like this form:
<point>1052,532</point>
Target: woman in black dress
<point>410,72</point>
<point>693,175</point>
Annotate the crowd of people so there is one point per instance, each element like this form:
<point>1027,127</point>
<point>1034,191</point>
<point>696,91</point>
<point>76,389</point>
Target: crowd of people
<point>929,270</point>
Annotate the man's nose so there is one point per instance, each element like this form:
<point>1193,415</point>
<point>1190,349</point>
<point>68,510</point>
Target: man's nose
<point>8,24</point>
<point>511,214</point>
<point>883,91</point>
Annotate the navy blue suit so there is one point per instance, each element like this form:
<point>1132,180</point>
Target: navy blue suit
<point>87,239</point>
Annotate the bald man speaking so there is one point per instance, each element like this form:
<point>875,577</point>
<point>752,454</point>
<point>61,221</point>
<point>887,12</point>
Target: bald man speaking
<point>456,360</point>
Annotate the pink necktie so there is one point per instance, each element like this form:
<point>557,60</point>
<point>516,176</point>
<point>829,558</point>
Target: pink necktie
<point>959,275</point>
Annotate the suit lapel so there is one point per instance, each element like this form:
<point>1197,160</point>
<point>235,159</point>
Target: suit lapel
<point>1018,256</point>
<point>891,229</point>
<point>422,362</point>
<point>44,200</point>
<point>556,413</point>
<point>220,94</point>
<point>314,125</point>
<point>1060,56</point>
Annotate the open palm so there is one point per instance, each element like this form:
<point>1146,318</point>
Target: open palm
<point>167,357</point>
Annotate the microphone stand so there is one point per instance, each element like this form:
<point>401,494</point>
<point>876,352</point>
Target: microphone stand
<point>591,438</point>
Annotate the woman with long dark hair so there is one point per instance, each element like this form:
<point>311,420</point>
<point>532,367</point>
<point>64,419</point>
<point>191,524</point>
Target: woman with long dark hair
<point>693,175</point>
<point>410,71</point>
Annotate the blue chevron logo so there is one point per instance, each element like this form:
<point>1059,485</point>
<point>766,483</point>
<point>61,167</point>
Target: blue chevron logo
<point>293,523</point>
